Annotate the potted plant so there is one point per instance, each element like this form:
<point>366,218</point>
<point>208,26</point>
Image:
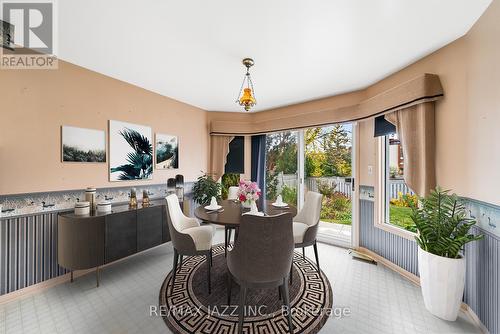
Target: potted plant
<point>442,230</point>
<point>204,188</point>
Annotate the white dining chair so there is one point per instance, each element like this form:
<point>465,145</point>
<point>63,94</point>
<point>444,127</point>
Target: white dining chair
<point>188,237</point>
<point>305,224</point>
<point>232,193</point>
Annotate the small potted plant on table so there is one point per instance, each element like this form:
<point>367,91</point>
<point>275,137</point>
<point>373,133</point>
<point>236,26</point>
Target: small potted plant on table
<point>205,188</point>
<point>442,230</point>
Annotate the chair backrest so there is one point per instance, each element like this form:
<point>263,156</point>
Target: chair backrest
<point>175,212</point>
<point>264,249</point>
<point>180,241</point>
<point>232,193</point>
<point>311,211</point>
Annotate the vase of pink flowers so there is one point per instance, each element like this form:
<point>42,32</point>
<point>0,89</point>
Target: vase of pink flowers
<point>248,193</point>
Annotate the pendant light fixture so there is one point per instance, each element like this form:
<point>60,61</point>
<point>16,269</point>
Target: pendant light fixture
<point>245,97</point>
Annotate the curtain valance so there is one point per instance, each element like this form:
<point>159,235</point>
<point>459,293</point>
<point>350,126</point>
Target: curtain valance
<point>425,88</point>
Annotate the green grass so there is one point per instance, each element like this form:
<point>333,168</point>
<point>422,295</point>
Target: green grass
<point>338,221</point>
<point>400,216</point>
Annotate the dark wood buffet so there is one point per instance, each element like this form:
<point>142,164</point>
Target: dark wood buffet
<point>90,241</point>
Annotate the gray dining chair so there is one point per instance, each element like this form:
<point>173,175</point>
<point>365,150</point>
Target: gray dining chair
<point>188,237</point>
<point>261,258</point>
<point>305,224</point>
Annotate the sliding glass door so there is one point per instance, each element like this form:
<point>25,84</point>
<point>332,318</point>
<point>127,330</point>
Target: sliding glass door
<point>281,166</point>
<point>317,159</point>
<point>328,169</point>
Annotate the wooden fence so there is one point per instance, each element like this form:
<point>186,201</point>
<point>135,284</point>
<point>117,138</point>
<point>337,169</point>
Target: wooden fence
<point>343,185</point>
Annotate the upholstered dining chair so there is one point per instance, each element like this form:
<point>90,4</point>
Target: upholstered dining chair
<point>188,237</point>
<point>261,258</point>
<point>305,224</point>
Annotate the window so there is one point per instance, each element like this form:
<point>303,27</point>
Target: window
<point>393,194</point>
<point>235,163</point>
<point>282,166</point>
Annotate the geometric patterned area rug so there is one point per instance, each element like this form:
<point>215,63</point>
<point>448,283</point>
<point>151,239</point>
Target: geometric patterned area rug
<point>188,308</point>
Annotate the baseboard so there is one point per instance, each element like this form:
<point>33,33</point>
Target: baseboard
<point>410,276</point>
<point>416,280</point>
<point>39,287</point>
<point>35,288</point>
<point>474,318</point>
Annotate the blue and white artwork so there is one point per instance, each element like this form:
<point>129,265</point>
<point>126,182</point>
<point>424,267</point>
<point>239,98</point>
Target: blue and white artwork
<point>130,151</point>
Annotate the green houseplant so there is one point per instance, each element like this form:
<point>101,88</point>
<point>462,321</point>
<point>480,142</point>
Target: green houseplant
<point>443,229</point>
<point>204,188</point>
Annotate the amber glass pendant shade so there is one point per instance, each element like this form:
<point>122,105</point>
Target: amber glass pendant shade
<point>247,100</point>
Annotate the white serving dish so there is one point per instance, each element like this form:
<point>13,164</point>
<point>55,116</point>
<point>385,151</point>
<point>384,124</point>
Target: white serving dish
<point>82,208</point>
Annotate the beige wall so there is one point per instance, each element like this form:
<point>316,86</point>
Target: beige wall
<point>36,103</point>
<point>467,119</point>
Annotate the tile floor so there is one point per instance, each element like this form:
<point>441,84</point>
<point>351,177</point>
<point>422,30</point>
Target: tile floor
<point>379,300</point>
<point>338,234</point>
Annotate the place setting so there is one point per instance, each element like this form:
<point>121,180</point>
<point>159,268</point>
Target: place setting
<point>214,207</point>
<point>280,204</point>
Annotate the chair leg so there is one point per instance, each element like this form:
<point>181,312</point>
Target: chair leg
<point>229,234</point>
<point>211,257</point>
<point>316,254</point>
<point>208,272</point>
<point>279,293</point>
<point>303,253</point>
<point>286,299</point>
<point>225,240</point>
<point>180,264</point>
<point>176,258</point>
<point>291,274</point>
<point>229,288</point>
<point>243,297</point>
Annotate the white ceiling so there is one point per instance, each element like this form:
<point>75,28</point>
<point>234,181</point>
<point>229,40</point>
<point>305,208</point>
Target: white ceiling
<point>191,50</point>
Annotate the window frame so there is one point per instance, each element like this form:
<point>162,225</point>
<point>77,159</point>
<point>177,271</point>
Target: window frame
<point>381,212</point>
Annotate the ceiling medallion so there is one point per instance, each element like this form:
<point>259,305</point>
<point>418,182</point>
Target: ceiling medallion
<point>245,97</point>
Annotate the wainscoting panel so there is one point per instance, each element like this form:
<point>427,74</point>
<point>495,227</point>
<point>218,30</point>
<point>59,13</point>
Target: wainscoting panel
<point>28,251</point>
<point>482,283</point>
<point>28,248</point>
<point>482,286</point>
<point>398,250</point>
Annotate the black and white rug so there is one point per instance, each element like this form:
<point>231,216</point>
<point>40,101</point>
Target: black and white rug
<point>188,308</point>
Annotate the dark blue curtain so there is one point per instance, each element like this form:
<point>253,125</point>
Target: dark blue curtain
<point>259,162</point>
<point>383,127</point>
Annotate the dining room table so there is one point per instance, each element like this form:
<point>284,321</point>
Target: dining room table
<point>231,212</point>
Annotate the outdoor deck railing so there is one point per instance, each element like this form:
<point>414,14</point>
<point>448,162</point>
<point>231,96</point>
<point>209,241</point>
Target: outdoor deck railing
<point>343,186</point>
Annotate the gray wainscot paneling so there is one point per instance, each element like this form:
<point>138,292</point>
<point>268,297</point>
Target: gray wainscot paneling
<point>482,286</point>
<point>28,233</point>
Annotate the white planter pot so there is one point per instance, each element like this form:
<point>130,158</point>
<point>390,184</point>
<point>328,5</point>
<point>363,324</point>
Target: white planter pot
<point>442,281</point>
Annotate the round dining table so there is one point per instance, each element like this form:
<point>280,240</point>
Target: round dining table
<point>231,213</point>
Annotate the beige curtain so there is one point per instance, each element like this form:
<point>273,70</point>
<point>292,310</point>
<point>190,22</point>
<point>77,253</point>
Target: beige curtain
<point>219,148</point>
<point>416,131</point>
